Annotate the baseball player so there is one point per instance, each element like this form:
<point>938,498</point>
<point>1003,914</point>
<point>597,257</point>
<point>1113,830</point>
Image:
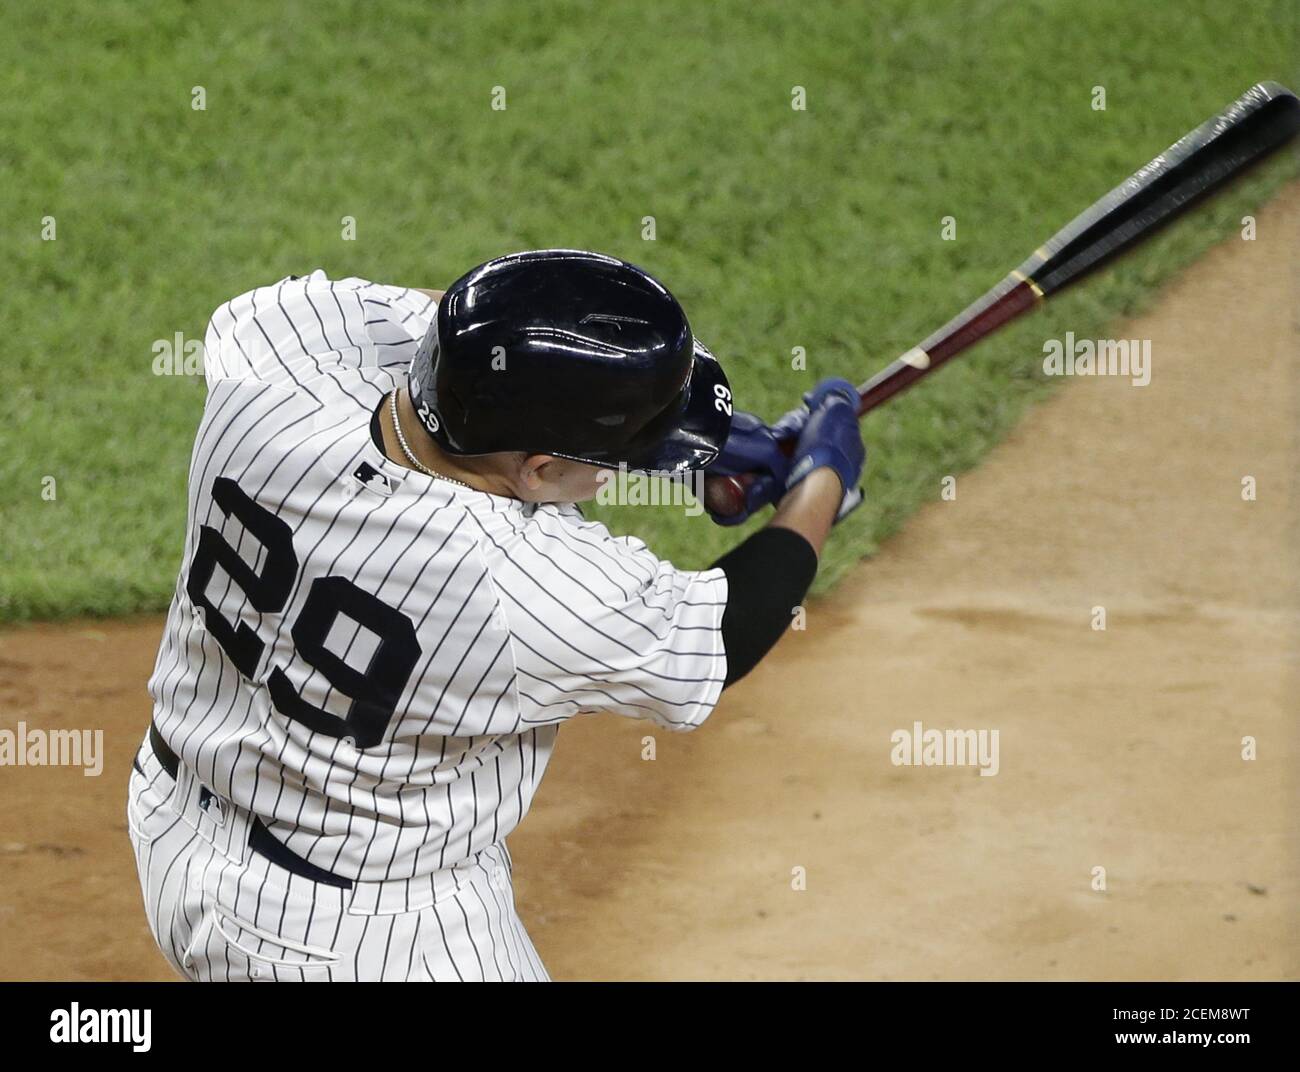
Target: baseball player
<point>389,602</point>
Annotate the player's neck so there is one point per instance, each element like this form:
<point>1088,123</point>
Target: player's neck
<point>426,450</point>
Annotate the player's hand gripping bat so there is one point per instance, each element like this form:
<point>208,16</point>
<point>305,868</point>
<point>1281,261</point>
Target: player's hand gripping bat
<point>1264,118</point>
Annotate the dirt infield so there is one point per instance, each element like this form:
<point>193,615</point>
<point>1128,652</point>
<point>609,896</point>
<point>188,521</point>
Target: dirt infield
<point>1119,749</point>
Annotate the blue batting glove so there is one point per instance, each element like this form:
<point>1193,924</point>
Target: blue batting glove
<point>831,438</point>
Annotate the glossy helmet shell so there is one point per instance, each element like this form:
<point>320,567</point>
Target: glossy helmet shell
<point>573,354</point>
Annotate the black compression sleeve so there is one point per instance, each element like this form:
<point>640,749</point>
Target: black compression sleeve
<point>767,577</point>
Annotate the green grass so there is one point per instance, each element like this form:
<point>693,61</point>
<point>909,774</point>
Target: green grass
<point>776,228</point>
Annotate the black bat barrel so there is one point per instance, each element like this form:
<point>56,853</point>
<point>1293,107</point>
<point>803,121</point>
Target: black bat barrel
<point>1265,117</point>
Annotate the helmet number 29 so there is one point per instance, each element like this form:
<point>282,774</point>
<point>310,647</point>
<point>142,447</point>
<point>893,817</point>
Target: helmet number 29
<point>722,401</point>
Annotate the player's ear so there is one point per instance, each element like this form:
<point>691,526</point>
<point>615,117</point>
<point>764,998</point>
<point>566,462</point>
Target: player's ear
<point>533,470</point>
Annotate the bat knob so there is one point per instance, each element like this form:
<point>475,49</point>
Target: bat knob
<point>724,496</point>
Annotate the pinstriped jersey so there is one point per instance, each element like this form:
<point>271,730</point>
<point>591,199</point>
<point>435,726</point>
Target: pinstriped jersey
<point>374,661</point>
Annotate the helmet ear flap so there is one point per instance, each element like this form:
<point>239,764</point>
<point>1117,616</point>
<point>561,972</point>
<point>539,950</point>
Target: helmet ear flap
<point>422,378</point>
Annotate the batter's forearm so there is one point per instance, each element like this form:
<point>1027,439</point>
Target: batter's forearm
<point>810,507</point>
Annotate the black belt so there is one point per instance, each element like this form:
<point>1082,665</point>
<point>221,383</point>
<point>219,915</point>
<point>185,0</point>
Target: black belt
<point>260,839</point>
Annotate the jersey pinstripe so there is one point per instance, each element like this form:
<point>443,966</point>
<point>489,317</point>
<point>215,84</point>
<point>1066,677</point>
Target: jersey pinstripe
<point>373,661</point>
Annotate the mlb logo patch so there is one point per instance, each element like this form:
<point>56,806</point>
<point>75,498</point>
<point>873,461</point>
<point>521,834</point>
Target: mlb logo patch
<point>372,479</point>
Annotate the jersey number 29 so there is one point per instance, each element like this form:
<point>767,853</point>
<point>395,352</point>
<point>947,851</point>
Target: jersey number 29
<point>374,692</point>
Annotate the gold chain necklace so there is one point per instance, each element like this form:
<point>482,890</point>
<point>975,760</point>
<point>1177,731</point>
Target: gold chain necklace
<point>410,457</point>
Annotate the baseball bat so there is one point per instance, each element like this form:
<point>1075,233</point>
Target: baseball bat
<point>1263,119</point>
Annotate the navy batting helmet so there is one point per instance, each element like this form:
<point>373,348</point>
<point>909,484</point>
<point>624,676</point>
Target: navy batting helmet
<point>569,353</point>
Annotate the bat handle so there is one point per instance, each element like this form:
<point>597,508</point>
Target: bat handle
<point>724,496</point>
